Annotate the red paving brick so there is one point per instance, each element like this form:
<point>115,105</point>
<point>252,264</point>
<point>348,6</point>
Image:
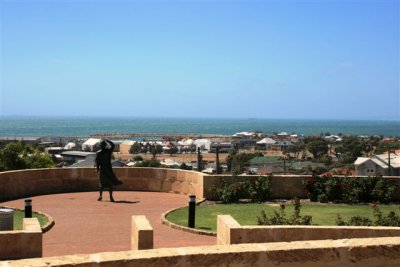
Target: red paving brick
<point>85,225</point>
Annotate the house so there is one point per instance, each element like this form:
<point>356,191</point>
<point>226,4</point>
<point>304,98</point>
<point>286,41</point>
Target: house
<point>282,145</point>
<point>223,147</point>
<point>203,144</point>
<point>87,162</point>
<point>92,144</point>
<point>244,135</point>
<point>185,145</point>
<point>265,143</point>
<point>378,165</point>
<point>54,150</point>
<point>71,157</point>
<point>69,146</point>
<point>126,146</point>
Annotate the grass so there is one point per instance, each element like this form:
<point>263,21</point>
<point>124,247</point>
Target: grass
<point>246,214</point>
<point>19,215</point>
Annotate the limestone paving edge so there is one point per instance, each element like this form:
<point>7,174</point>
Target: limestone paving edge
<point>184,228</point>
<point>47,226</point>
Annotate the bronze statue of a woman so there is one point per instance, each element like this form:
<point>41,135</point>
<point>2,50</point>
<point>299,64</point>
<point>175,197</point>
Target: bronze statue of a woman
<point>107,177</point>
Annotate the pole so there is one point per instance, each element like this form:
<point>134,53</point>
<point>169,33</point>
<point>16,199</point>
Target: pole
<point>389,159</point>
<point>28,208</point>
<point>199,160</point>
<point>192,211</point>
<point>217,158</point>
<point>284,160</point>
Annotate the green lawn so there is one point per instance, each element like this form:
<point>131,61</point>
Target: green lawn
<point>19,215</point>
<point>246,214</point>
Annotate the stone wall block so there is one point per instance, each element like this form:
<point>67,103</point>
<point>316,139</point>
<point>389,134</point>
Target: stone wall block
<point>142,233</point>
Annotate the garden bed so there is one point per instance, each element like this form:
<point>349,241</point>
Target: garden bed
<point>247,213</point>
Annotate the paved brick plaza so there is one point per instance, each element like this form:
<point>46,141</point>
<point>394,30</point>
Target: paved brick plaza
<point>84,225</point>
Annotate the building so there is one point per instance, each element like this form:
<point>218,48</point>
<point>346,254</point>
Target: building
<point>126,146</point>
<point>203,144</point>
<point>265,143</point>
<point>92,144</point>
<point>223,147</point>
<point>378,165</point>
<point>71,157</point>
<point>26,140</point>
<point>282,145</point>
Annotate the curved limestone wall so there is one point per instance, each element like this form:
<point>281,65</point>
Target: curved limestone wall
<point>26,183</point>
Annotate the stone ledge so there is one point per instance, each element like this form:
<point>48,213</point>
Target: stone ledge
<point>362,252</point>
<point>229,231</point>
<point>20,244</point>
<point>184,228</point>
<point>47,226</point>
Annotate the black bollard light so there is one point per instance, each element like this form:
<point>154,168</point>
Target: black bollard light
<point>192,211</point>
<point>28,208</point>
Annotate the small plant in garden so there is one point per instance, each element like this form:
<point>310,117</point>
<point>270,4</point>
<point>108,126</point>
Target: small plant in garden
<point>391,219</point>
<point>354,221</point>
<point>280,218</point>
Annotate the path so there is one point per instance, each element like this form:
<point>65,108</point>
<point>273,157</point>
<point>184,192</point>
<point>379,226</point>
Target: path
<point>84,225</point>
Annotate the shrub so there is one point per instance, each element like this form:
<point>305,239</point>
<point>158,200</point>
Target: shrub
<point>232,191</point>
<point>183,166</point>
<point>148,163</point>
<point>348,189</point>
<point>137,158</point>
<point>260,189</point>
<point>280,218</point>
<point>354,221</point>
<point>383,191</point>
<point>391,219</point>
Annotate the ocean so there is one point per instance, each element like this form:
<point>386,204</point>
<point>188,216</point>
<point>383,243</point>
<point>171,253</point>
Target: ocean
<point>85,126</point>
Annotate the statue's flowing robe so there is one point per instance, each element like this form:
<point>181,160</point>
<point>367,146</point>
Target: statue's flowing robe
<point>103,163</point>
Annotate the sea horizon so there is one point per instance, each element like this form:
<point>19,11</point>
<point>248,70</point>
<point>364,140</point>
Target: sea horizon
<point>23,125</point>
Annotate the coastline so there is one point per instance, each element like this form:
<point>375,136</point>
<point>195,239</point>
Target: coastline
<point>12,126</point>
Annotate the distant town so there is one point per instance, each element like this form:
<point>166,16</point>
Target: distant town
<point>243,152</point>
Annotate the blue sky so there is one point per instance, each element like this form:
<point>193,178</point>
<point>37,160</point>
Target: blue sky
<point>241,59</point>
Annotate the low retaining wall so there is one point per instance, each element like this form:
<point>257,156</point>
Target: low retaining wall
<point>229,231</point>
<point>26,183</point>
<point>26,243</point>
<point>366,252</point>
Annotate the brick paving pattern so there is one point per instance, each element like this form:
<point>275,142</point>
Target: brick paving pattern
<point>85,225</point>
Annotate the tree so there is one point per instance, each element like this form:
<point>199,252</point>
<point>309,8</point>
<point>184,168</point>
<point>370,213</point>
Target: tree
<point>12,157</point>
<point>136,148</point>
<point>238,162</point>
<point>16,156</point>
<point>294,151</point>
<point>383,146</point>
<point>349,149</point>
<point>38,160</point>
<point>156,149</point>
<point>317,147</point>
<point>173,150</point>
